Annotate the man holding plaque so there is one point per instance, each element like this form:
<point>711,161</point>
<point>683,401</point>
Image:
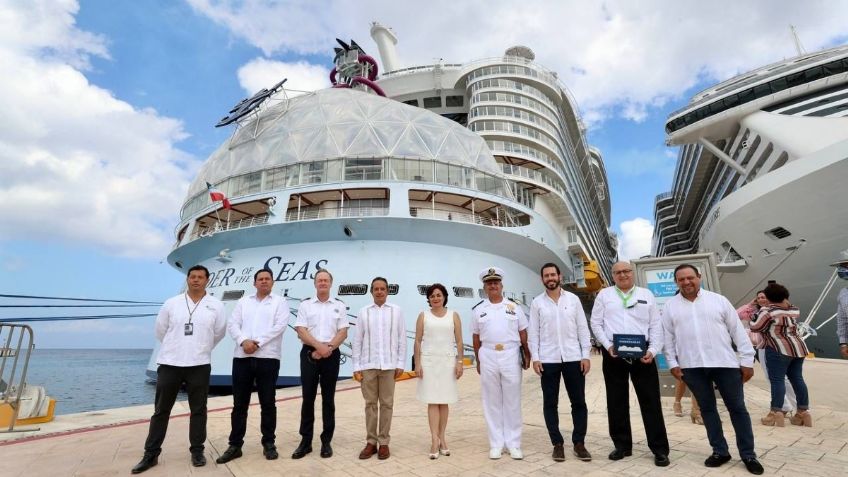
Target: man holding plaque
<point>626,323</point>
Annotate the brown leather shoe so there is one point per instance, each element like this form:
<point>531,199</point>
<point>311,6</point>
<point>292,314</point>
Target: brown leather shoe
<point>581,452</point>
<point>383,453</point>
<point>558,454</point>
<point>369,450</point>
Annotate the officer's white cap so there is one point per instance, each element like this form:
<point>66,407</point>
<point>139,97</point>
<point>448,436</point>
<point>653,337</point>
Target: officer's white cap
<point>491,273</point>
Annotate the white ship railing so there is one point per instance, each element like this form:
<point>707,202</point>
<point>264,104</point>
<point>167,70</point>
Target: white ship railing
<point>245,222</point>
<point>295,215</point>
<point>456,216</point>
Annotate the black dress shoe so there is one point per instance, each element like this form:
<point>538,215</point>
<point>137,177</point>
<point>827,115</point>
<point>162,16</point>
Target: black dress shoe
<point>147,461</point>
<point>619,454</point>
<point>231,453</point>
<point>661,460</point>
<point>753,466</point>
<point>198,459</point>
<point>270,452</point>
<point>716,460</point>
<point>326,450</point>
<point>303,449</point>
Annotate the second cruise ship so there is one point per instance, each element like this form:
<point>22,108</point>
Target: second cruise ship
<point>760,183</point>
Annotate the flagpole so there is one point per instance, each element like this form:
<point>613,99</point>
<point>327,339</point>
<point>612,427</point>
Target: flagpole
<point>219,217</point>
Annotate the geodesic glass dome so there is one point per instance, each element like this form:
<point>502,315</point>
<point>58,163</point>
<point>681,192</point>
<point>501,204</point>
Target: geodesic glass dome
<point>342,123</point>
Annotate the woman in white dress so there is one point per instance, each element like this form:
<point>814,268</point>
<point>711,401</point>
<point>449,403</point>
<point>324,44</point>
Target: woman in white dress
<point>438,363</point>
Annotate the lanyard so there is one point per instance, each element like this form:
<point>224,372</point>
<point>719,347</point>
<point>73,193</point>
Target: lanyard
<point>190,311</point>
<point>625,297</point>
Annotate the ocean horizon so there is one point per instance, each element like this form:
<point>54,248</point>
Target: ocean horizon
<point>92,379</point>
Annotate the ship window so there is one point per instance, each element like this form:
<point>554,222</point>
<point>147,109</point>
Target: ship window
<point>463,292</point>
<point>393,288</point>
<point>454,101</point>
<point>232,295</point>
<point>433,102</point>
<point>411,102</point>
<point>353,289</point>
<point>781,160</point>
<point>422,289</point>
<point>778,233</point>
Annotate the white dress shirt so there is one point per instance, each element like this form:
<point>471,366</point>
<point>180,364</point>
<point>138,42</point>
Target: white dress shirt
<point>209,324</point>
<point>610,317</point>
<point>498,323</point>
<point>558,331</point>
<point>263,321</point>
<point>380,338</point>
<point>698,333</point>
<point>322,319</point>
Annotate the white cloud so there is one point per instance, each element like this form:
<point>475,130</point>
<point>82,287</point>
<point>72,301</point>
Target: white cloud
<point>77,163</point>
<point>263,73</point>
<point>620,58</point>
<point>635,238</point>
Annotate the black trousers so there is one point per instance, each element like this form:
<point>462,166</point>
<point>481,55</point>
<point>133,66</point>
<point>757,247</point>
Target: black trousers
<point>313,372</point>
<point>168,382</point>
<point>263,373</point>
<point>646,382</point>
<point>575,386</point>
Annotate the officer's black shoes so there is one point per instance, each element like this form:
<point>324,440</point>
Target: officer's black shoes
<point>326,450</point>
<point>661,460</point>
<point>753,466</point>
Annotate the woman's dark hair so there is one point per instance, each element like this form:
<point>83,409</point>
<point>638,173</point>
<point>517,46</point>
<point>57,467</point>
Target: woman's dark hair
<point>776,292</point>
<point>441,288</point>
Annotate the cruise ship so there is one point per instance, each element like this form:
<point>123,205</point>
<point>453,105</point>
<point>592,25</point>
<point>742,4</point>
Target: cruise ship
<point>760,182</point>
<point>422,174</point>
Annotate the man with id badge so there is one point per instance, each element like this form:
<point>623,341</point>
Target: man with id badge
<point>189,326</point>
<point>626,322</point>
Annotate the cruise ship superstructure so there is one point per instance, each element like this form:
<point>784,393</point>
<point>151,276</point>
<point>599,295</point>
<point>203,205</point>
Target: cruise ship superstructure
<point>488,167</point>
<point>760,182</point>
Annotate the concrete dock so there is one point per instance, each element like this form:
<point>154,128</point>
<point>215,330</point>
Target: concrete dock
<point>110,442</point>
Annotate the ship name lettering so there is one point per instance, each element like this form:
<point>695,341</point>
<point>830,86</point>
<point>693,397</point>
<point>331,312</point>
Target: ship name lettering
<point>286,268</point>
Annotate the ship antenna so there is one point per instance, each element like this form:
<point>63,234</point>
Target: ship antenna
<point>798,46</point>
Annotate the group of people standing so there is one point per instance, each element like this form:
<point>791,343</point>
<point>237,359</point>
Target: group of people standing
<point>705,343</point>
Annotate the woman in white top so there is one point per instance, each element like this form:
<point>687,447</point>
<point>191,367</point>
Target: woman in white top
<point>438,363</point>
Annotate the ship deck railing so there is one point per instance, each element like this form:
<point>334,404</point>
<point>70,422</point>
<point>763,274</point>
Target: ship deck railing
<point>294,215</point>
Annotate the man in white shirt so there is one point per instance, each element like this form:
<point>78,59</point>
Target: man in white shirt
<point>701,328</point>
<point>499,330</point>
<point>189,325</point>
<point>625,309</point>
<point>322,327</point>
<point>379,350</point>
<point>257,326</point>
<point>559,345</point>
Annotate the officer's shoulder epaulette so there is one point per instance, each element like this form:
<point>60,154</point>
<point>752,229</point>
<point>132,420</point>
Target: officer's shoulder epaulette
<point>513,300</point>
<point>478,304</point>
<point>339,299</point>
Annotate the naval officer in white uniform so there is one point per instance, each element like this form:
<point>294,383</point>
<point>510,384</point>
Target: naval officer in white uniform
<point>499,329</point>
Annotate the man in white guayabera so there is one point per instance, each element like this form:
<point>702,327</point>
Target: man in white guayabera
<point>379,349</point>
<point>189,325</point>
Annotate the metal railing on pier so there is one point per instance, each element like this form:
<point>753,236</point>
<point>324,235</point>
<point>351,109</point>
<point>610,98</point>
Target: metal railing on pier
<point>12,384</point>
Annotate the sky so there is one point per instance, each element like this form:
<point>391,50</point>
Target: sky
<point>109,109</point>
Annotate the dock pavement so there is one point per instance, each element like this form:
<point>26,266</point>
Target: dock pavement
<point>109,442</point>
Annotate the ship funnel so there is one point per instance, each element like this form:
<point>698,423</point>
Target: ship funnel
<point>386,40</point>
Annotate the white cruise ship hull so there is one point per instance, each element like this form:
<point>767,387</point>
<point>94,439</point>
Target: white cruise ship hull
<point>408,252</point>
<point>805,197</point>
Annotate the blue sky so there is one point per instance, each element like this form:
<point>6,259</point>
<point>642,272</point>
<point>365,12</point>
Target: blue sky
<point>112,106</point>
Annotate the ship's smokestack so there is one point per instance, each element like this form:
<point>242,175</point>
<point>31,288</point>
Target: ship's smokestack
<point>386,40</point>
